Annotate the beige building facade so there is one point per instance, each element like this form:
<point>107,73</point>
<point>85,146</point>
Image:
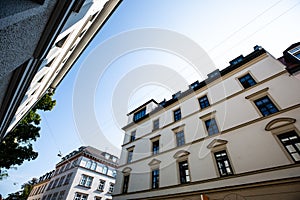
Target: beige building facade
<point>234,135</point>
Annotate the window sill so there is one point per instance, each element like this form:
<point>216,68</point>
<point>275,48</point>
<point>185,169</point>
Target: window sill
<point>88,187</point>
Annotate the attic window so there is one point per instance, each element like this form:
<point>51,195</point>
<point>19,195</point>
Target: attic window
<point>295,52</point>
<point>237,60</point>
<point>214,74</point>
<point>138,115</point>
<point>195,84</point>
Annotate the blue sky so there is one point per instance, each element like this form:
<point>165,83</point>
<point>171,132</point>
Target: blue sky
<point>223,29</point>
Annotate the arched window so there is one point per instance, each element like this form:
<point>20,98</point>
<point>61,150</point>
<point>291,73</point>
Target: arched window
<point>104,170</point>
<point>88,164</point>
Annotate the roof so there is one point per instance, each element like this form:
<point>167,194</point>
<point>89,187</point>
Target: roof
<point>93,153</point>
<point>256,53</point>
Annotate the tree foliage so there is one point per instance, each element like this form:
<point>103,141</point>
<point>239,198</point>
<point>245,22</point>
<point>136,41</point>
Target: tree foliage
<point>24,193</point>
<point>16,147</point>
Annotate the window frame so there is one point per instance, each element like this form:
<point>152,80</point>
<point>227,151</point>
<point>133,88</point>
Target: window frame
<point>180,173</point>
<point>111,188</point>
<point>155,150</point>
<point>270,102</point>
<point>155,178</point>
<point>102,184</point>
<point>206,103</point>
<point>132,136</point>
<point>285,149</point>
<point>247,84</point>
<point>177,114</point>
<point>217,165</point>
<point>139,114</point>
<point>155,124</point>
<point>86,181</point>
<point>125,185</point>
<point>179,140</point>
<point>260,94</point>
<point>208,128</point>
<point>129,154</point>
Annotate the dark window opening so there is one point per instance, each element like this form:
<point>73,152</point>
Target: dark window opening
<point>291,143</point>
<point>203,101</point>
<point>265,106</point>
<point>223,163</point>
<point>139,115</point>
<point>184,172</point>
<point>247,81</point>
<point>177,115</point>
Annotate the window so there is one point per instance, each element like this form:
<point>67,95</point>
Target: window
<point>62,169</point>
<point>68,166</point>
<point>111,188</point>
<point>223,163</point>
<point>67,181</point>
<point>295,52</point>
<point>211,126</point>
<point>203,101</point>
<point>114,174</point>
<point>88,164</point>
<point>180,138</point>
<point>139,115</point>
<point>61,180</point>
<point>177,115</point>
<point>54,196</point>
<point>74,163</point>
<point>155,147</point>
<point>125,183</point>
<point>94,166</point>
<point>156,124</point>
<point>265,106</point>
<point>80,196</point>
<point>184,172</point>
<point>132,136</point>
<point>291,143</point>
<point>61,195</point>
<point>247,81</point>
<point>101,185</point>
<point>50,185</point>
<point>49,196</point>
<point>86,181</point>
<point>104,170</point>
<point>155,178</point>
<point>129,156</point>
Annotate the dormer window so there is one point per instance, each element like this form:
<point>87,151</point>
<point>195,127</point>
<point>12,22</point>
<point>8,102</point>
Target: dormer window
<point>237,60</point>
<point>295,52</point>
<point>139,114</point>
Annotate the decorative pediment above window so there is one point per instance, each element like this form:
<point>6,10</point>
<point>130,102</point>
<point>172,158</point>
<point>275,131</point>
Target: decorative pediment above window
<point>180,154</point>
<point>154,162</point>
<point>126,170</point>
<point>279,122</point>
<point>216,143</point>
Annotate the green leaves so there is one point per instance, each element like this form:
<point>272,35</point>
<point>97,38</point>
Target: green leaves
<point>16,146</point>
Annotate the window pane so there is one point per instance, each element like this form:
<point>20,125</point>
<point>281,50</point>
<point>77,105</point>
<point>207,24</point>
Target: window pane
<point>266,106</point>
<point>223,163</point>
<point>203,101</point>
<point>177,115</point>
<point>180,138</point>
<point>247,81</point>
<point>291,141</point>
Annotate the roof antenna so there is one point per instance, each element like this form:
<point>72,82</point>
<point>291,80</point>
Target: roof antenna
<point>59,154</point>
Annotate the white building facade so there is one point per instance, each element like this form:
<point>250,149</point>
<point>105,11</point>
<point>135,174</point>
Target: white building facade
<point>234,135</point>
<point>72,25</point>
<point>84,174</point>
